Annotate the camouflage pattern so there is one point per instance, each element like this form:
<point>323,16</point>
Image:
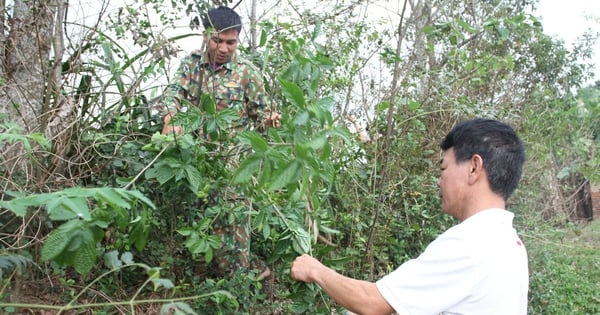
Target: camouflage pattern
<point>235,230</point>
<point>237,84</point>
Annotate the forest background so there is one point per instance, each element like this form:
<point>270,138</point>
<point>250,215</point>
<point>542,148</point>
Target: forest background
<point>101,214</point>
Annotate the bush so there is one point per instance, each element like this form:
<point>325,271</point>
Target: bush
<point>564,269</point>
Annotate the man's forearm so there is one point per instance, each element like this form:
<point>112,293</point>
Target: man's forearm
<point>361,297</point>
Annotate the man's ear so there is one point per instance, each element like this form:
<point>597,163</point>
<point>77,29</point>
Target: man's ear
<point>476,169</point>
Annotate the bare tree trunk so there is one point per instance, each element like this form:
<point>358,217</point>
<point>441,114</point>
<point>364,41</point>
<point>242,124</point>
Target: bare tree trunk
<point>25,66</point>
<point>253,30</point>
<point>25,69</point>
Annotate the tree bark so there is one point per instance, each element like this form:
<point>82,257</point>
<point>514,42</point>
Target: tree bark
<point>25,68</point>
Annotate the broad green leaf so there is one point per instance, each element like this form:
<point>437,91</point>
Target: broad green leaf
<point>302,151</point>
<point>161,173</point>
<point>194,177</point>
<point>300,307</point>
<point>326,152</point>
<point>293,93</point>
<point>247,169</point>
<point>59,239</point>
<point>300,240</point>
<point>111,259</point>
<point>225,116</point>
<point>428,29</point>
<point>208,256</point>
<point>208,104</point>
<point>65,208</point>
<point>185,231</point>
<point>257,141</point>
<point>289,173</point>
<point>263,38</point>
<point>19,204</point>
<point>160,282</point>
<point>317,143</point>
<point>127,258</point>
<point>204,224</point>
<point>137,195</point>
<point>84,258</point>
<point>177,308</point>
<point>301,119</point>
<point>111,197</point>
<point>214,241</point>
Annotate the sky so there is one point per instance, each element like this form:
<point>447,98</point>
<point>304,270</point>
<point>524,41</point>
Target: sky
<point>567,20</point>
<point>564,19</point>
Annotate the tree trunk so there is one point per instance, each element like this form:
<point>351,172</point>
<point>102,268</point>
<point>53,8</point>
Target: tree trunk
<point>25,69</point>
<point>25,65</point>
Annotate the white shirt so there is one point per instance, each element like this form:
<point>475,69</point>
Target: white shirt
<point>476,267</point>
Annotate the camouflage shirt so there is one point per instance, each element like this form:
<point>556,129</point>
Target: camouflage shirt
<point>237,84</point>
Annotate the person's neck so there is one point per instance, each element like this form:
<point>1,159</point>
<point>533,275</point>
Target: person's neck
<point>481,204</point>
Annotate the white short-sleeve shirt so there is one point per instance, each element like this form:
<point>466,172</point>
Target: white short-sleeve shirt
<point>476,267</point>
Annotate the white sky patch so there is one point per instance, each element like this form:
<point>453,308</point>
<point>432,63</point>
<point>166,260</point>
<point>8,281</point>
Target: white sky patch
<point>568,20</point>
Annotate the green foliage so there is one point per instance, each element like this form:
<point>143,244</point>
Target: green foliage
<point>74,242</point>
<point>13,133</point>
<point>10,261</point>
<point>362,207</point>
<point>564,269</point>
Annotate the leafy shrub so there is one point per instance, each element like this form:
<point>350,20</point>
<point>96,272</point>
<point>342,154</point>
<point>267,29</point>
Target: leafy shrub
<point>565,270</point>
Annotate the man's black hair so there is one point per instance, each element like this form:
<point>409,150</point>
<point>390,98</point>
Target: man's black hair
<point>222,18</point>
<point>498,145</point>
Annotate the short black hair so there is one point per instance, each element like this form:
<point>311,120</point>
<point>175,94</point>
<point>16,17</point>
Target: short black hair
<point>222,18</point>
<point>498,145</point>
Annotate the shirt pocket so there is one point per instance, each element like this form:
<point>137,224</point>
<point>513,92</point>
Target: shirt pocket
<point>230,96</point>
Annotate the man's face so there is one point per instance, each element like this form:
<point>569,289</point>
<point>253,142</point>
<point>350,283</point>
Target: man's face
<point>221,45</point>
<point>453,183</point>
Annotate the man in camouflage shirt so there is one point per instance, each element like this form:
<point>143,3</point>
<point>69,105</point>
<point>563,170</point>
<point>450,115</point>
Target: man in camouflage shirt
<point>233,83</point>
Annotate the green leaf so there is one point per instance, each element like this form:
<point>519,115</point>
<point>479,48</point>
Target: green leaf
<point>67,207</point>
<point>263,38</point>
<point>160,172</point>
<point>194,177</point>
<point>247,168</point>
<point>318,142</point>
<point>177,308</point>
<point>127,258</point>
<point>467,27</point>
<point>288,174</point>
<point>113,198</point>
<point>428,29</point>
<point>299,307</point>
<point>185,231</point>
<point>293,93</point>
<point>257,141</point>
<point>208,104</point>
<point>301,119</point>
<point>84,257</point>
<point>111,259</point>
<point>135,194</point>
<point>208,256</point>
<point>301,240</point>
<point>59,239</point>
<point>19,204</point>
<point>165,283</point>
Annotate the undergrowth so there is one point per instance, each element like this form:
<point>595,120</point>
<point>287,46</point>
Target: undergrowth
<point>564,269</point>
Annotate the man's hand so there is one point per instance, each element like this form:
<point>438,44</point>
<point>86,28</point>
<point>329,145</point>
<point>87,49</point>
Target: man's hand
<point>274,120</point>
<point>304,267</point>
<point>168,129</point>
